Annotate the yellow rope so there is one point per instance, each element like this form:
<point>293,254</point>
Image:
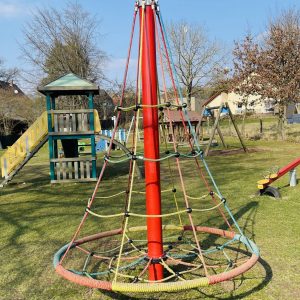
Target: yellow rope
<point>160,287</point>
<point>161,105</point>
<point>197,198</point>
<point>208,209</point>
<point>135,147</point>
<point>169,165</point>
<point>124,192</point>
<point>179,212</point>
<point>170,270</point>
<point>111,196</point>
<point>104,216</point>
<point>164,227</point>
<point>134,245</point>
<point>158,216</point>
<point>140,192</point>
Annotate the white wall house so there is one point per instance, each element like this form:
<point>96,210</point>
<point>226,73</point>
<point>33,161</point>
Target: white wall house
<point>235,103</point>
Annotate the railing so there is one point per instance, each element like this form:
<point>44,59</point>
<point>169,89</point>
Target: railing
<point>72,169</point>
<point>15,154</point>
<point>63,122</point>
<point>68,122</point>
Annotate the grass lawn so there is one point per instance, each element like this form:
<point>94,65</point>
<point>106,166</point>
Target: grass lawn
<point>37,218</point>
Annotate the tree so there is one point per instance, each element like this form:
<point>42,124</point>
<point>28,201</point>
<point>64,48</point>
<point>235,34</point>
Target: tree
<point>58,42</point>
<point>7,104</point>
<point>129,97</point>
<point>7,74</point>
<point>197,58</point>
<point>13,109</point>
<point>270,67</point>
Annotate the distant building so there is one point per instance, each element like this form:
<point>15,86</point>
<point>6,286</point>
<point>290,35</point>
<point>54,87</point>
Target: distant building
<point>235,102</point>
<point>11,86</point>
<point>18,124</point>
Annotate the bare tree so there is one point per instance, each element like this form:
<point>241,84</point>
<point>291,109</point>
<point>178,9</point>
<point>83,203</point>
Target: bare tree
<point>13,109</point>
<point>7,74</point>
<point>270,67</point>
<point>58,42</point>
<point>115,91</point>
<point>197,58</point>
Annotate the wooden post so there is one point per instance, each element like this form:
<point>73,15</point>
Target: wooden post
<point>236,128</point>
<point>199,127</point>
<point>55,150</point>
<point>50,102</point>
<point>260,126</point>
<point>218,127</point>
<point>93,144</point>
<point>216,122</point>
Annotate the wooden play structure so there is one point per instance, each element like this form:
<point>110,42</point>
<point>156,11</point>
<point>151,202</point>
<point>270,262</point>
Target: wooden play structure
<point>66,126</point>
<point>69,127</point>
<point>215,113</point>
<point>66,132</point>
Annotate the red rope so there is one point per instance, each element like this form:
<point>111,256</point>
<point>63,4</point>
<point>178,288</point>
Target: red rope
<point>110,144</point>
<point>185,127</point>
<point>183,185</point>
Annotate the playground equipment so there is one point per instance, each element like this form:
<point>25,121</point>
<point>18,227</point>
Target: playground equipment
<point>71,126</point>
<point>132,124</point>
<point>19,154</point>
<point>171,256</point>
<point>104,139</point>
<point>68,126</point>
<point>264,184</point>
<point>222,110</point>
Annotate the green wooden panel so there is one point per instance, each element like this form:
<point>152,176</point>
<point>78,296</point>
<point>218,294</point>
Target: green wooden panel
<point>69,84</point>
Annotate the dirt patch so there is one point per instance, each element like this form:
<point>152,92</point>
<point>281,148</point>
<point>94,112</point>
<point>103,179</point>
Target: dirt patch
<point>233,151</point>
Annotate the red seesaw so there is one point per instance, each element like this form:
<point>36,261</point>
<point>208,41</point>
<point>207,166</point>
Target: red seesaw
<point>264,184</point>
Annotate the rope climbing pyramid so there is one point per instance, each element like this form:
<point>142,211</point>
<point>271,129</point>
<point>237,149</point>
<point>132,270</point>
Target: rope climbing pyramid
<point>168,236</point>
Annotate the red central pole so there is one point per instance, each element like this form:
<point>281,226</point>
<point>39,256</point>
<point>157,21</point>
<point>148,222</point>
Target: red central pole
<point>151,140</point>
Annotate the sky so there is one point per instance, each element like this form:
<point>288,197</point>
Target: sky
<point>224,20</point>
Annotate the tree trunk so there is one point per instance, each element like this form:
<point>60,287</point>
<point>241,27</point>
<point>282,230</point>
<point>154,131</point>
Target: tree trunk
<point>189,96</point>
<point>260,126</point>
<point>281,119</point>
<point>243,120</point>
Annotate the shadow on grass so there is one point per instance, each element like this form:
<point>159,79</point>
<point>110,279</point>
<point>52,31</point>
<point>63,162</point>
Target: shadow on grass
<point>204,295</point>
<point>249,225</point>
<point>233,295</point>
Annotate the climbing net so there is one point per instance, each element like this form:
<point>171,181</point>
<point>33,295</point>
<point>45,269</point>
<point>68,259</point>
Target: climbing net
<point>194,255</point>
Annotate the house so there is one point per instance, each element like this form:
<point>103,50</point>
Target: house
<point>235,103</point>
<point>11,86</point>
<point>11,125</point>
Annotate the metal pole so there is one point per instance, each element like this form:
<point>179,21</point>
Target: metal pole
<point>151,140</point>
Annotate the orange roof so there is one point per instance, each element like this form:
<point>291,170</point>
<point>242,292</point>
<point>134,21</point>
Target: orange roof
<point>175,116</point>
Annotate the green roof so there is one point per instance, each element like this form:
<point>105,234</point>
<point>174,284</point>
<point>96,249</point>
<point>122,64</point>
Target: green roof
<point>69,84</point>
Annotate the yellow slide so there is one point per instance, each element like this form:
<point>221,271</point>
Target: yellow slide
<point>33,138</point>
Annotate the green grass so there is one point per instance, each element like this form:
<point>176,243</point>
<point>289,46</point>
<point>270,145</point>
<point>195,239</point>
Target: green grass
<point>252,128</point>
<point>37,218</point>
